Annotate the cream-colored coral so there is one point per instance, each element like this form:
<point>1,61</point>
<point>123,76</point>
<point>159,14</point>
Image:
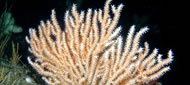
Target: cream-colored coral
<point>90,51</point>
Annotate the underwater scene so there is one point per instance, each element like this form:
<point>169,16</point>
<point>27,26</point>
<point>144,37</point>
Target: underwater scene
<point>89,42</point>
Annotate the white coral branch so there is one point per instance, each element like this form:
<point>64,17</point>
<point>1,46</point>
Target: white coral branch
<point>90,51</point>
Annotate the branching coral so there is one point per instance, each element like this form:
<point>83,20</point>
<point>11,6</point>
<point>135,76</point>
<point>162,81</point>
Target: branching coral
<point>90,51</point>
